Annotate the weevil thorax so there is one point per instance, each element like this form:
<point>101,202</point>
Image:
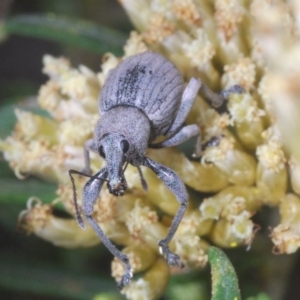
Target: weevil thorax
<point>121,135</point>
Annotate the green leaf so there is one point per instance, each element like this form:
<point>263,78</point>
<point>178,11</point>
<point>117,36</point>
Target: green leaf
<point>19,191</point>
<point>260,296</point>
<point>108,296</point>
<point>87,35</point>
<point>19,275</point>
<point>7,120</point>
<point>224,279</point>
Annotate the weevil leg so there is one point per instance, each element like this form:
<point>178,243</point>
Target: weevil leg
<point>218,99</point>
<point>176,186</point>
<point>181,136</point>
<point>187,101</point>
<point>88,146</point>
<point>215,98</point>
<point>233,89</point>
<point>126,278</point>
<point>90,195</point>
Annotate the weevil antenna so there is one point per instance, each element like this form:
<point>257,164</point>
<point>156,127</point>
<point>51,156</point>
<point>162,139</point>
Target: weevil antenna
<point>143,181</point>
<point>125,167</point>
<point>87,175</point>
<point>77,212</point>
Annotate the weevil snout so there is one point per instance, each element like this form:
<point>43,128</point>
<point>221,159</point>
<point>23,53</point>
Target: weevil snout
<point>117,186</point>
<point>113,148</point>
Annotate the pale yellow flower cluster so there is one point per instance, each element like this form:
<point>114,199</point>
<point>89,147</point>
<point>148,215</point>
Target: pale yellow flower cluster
<point>254,44</point>
<point>225,42</point>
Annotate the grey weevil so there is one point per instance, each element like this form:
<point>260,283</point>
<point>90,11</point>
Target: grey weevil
<point>143,98</point>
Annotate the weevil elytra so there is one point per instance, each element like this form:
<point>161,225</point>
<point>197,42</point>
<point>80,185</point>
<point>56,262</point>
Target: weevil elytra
<point>143,98</point>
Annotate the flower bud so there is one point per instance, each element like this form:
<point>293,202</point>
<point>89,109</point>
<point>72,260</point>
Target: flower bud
<point>152,285</point>
<point>191,249</point>
<point>286,236</point>
<point>294,171</point>
<point>285,239</point>
<point>204,178</point>
<point>143,225</point>
<point>240,72</point>
<point>247,118</point>
<point>251,196</point>
<point>271,173</point>
<point>193,222</point>
<point>239,230</point>
<point>38,219</point>
<point>140,256</point>
<point>239,166</point>
<point>32,126</point>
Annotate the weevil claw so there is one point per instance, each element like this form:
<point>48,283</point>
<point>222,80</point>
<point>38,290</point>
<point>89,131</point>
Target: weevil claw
<point>172,258</point>
<point>126,278</point>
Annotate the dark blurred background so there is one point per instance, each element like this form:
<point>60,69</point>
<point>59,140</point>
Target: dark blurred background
<point>21,57</point>
<point>31,269</point>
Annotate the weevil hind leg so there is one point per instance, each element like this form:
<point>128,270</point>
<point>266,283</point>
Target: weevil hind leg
<point>218,99</point>
<point>236,89</point>
<point>177,133</point>
<point>187,101</point>
<point>88,146</point>
<point>184,134</point>
<point>90,195</point>
<point>176,186</point>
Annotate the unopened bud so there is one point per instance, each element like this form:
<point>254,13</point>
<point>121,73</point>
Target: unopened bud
<point>152,285</point>
<point>38,219</point>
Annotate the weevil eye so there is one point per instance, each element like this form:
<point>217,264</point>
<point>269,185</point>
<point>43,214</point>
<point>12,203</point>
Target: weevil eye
<point>124,144</point>
<point>101,152</point>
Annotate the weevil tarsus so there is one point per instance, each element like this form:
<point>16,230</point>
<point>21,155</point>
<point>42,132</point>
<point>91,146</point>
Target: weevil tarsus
<point>236,89</point>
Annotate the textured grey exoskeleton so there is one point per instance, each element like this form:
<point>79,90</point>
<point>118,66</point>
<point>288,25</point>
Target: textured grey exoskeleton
<point>143,97</point>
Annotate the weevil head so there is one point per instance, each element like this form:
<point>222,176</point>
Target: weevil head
<point>121,136</point>
<point>114,148</point>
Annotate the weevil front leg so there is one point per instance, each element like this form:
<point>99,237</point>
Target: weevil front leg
<point>88,146</point>
<point>90,195</point>
<point>176,186</point>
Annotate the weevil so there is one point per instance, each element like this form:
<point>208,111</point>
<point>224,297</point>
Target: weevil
<point>143,98</point>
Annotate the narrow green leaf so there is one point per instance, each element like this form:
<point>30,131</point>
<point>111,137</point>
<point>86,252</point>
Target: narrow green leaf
<point>108,296</point>
<point>87,35</point>
<point>19,191</point>
<point>7,120</point>
<point>260,296</point>
<point>19,275</point>
<point>224,279</point>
